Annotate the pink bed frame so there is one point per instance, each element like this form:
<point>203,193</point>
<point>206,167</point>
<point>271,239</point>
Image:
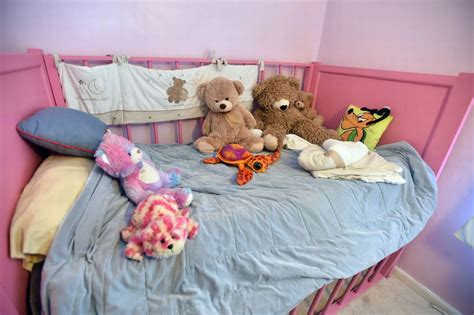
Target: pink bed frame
<point>429,111</point>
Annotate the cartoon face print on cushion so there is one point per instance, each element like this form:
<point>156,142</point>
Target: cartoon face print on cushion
<point>364,125</point>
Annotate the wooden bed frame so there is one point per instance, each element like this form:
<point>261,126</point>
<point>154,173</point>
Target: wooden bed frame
<point>429,112</point>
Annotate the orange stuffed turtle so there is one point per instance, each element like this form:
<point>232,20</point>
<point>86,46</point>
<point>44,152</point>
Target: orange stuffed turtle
<point>237,155</point>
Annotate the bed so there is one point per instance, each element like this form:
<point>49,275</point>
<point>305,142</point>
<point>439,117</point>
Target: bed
<point>301,269</point>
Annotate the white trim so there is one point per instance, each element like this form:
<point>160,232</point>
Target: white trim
<point>436,302</point>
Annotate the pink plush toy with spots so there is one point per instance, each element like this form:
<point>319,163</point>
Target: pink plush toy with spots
<point>158,228</point>
<point>139,177</point>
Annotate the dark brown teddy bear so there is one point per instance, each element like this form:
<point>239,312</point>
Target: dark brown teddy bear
<point>277,116</point>
<point>305,105</point>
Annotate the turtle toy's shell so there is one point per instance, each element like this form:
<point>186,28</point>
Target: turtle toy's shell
<point>233,154</point>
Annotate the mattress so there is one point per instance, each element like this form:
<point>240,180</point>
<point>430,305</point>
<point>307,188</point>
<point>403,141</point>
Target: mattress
<point>261,248</point>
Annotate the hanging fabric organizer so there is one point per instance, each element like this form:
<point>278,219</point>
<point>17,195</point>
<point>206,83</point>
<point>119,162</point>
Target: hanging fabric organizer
<point>122,93</point>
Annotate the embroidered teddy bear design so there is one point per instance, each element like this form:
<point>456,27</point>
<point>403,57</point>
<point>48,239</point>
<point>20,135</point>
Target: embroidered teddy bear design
<point>177,92</point>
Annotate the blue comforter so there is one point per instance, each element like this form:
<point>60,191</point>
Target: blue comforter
<point>261,248</point>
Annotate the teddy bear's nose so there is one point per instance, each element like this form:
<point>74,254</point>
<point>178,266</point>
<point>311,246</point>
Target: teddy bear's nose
<point>283,107</point>
<point>223,106</point>
<point>170,246</point>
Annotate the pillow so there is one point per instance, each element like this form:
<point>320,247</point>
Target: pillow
<point>364,125</point>
<point>44,202</point>
<point>64,131</point>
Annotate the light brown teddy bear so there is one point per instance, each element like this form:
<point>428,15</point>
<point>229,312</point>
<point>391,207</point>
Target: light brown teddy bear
<point>305,105</point>
<point>227,121</point>
<point>277,116</point>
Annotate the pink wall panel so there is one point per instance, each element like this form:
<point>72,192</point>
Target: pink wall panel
<point>23,91</point>
<point>408,101</point>
<point>422,105</point>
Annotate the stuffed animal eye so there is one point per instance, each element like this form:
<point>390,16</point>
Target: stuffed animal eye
<point>129,153</point>
<point>138,151</point>
<point>173,237</point>
<point>257,166</point>
<point>226,98</point>
<point>217,101</point>
<point>162,241</point>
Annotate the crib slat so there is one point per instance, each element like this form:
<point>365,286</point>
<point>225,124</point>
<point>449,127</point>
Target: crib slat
<point>156,138</point>
<point>128,128</point>
<point>180,131</point>
<point>364,279</point>
<point>293,71</point>
<point>348,289</point>
<point>85,63</point>
<point>332,296</point>
<point>317,297</point>
<point>294,311</point>
<point>308,74</point>
<point>377,269</point>
<point>279,69</point>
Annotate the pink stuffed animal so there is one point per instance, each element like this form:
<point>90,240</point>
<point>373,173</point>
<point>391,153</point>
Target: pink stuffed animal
<point>119,158</point>
<point>158,229</point>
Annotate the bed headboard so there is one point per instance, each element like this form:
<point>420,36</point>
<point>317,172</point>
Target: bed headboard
<point>429,112</point>
<point>24,89</point>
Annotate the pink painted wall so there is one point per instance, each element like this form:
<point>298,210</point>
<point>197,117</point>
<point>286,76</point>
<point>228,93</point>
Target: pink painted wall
<point>429,36</point>
<point>277,30</point>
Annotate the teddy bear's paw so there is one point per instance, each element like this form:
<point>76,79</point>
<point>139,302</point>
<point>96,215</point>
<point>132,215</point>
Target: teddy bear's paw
<point>126,234</point>
<point>133,254</point>
<point>189,199</point>
<point>194,230</point>
<point>184,197</point>
<point>175,178</point>
<point>256,147</point>
<point>256,132</point>
<point>271,142</point>
<point>204,147</point>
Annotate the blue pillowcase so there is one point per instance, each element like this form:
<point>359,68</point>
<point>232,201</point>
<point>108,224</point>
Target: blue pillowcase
<point>64,131</point>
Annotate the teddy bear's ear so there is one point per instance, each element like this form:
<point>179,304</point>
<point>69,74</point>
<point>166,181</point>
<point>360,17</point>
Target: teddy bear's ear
<point>258,89</point>
<point>294,82</point>
<point>239,87</point>
<point>200,91</point>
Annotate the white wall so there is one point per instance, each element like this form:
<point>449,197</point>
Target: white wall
<point>274,30</point>
<point>429,36</point>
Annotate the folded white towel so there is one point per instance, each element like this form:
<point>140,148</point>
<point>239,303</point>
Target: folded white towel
<point>349,160</point>
<point>372,168</point>
<point>333,154</point>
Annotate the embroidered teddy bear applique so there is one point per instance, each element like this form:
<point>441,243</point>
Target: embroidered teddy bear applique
<point>177,93</point>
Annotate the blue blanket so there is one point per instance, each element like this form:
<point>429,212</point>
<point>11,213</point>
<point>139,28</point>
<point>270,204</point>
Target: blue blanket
<point>261,248</point>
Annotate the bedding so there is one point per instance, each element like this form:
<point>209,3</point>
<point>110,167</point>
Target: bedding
<point>262,247</point>
<point>64,131</point>
<point>43,204</point>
